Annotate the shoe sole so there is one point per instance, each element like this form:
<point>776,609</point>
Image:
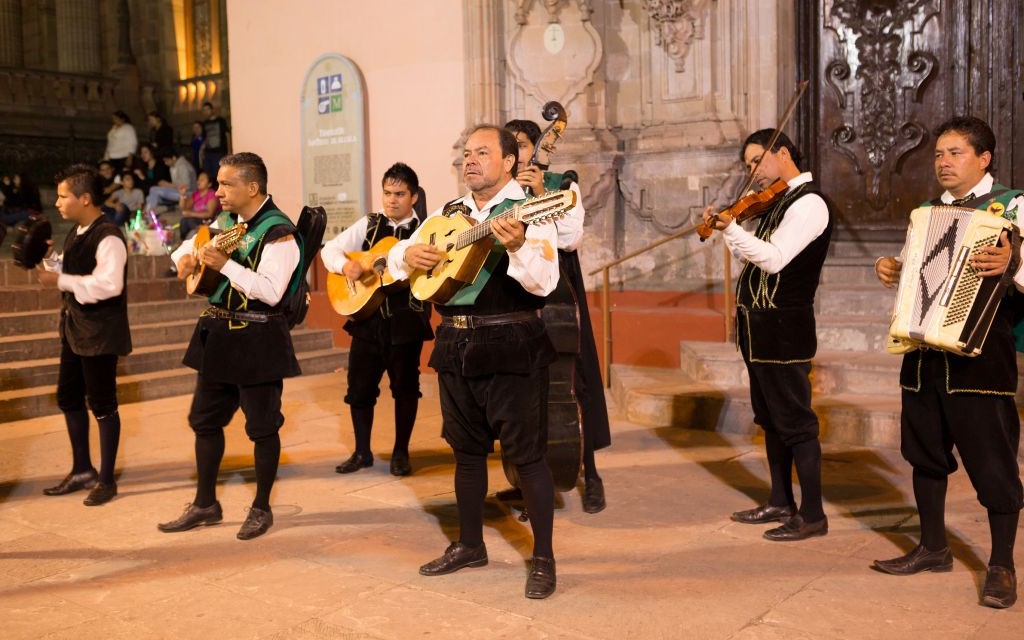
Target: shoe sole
<point>598,509</point>
<point>996,603</point>
<point>540,596</point>
<point>204,523</point>
<point>475,563</point>
<point>816,534</point>
<point>92,485</point>
<point>942,568</point>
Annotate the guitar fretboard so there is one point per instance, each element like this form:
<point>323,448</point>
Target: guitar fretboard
<point>482,230</point>
<point>535,209</point>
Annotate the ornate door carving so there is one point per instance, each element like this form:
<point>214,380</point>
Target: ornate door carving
<point>884,74</point>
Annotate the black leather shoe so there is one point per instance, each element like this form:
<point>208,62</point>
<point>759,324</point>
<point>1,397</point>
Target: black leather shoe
<point>1000,589</point>
<point>456,556</point>
<point>400,464</point>
<point>256,524</point>
<point>541,581</point>
<point>593,496</point>
<point>193,517</point>
<point>355,462</point>
<point>74,482</point>
<point>101,494</point>
<point>796,528</point>
<point>764,513</point>
<point>918,560</point>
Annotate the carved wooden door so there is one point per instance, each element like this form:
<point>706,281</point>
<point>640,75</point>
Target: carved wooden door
<point>883,74</point>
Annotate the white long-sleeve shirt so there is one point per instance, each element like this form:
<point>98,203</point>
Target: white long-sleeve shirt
<point>804,221</point>
<point>106,280</point>
<point>351,239</point>
<point>121,142</point>
<point>272,276</point>
<point>534,265</point>
<point>570,228</point>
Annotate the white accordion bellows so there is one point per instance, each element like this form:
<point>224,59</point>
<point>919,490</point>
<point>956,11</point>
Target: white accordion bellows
<point>941,301</point>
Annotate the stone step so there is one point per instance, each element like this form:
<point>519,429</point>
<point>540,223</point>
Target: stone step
<point>721,364</point>
<point>28,322</point>
<point>33,298</point>
<point>869,249</point>
<point>853,332</point>
<point>139,268</point>
<point>659,398</point>
<point>41,372</point>
<point>36,346</point>
<point>41,401</point>
<point>854,299</point>
<point>848,271</point>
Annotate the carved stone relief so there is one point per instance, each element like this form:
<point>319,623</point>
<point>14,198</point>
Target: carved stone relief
<point>554,49</point>
<point>876,84</point>
<point>678,24</point>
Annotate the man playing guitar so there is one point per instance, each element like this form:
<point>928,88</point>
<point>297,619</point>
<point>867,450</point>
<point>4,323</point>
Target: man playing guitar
<point>492,356</point>
<point>390,338</point>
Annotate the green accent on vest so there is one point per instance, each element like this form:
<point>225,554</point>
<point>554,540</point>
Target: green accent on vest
<point>552,181</point>
<point>252,240</point>
<point>469,293</point>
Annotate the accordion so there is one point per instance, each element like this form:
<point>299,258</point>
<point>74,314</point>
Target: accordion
<point>941,301</point>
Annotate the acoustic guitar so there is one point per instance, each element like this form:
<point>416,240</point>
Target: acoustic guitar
<point>359,299</point>
<point>203,282</point>
<point>466,244</point>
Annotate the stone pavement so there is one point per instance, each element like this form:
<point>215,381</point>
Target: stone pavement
<point>663,561</point>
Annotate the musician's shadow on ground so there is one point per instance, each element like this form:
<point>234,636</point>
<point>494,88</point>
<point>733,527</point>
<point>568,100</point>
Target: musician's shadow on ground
<point>865,485</point>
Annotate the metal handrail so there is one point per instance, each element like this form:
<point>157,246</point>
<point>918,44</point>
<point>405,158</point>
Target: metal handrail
<point>606,317</point>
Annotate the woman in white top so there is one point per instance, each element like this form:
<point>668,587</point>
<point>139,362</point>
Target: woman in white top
<point>121,140</point>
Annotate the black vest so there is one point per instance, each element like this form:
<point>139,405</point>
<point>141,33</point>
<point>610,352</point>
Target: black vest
<point>245,353</point>
<point>776,310</point>
<point>401,318</point>
<point>99,328</point>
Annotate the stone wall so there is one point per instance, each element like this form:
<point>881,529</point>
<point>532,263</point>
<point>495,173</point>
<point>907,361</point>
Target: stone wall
<point>660,93</point>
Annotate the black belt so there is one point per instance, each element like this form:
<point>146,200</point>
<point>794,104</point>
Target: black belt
<point>472,322</point>
<point>238,316</point>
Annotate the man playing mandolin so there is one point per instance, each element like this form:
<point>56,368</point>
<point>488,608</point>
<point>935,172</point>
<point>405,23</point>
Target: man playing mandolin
<point>776,331</point>
<point>492,355</point>
<point>391,337</point>
<point>241,348</point>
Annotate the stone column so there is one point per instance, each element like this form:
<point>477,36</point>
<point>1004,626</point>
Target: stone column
<point>78,36</point>
<point>11,53</point>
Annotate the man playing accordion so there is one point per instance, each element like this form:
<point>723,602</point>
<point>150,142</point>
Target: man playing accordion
<point>968,402</point>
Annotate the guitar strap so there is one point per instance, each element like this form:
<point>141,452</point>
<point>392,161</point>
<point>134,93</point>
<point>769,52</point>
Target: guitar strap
<point>469,293</point>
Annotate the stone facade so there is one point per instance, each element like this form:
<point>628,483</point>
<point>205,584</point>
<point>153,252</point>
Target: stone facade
<point>66,65</point>
<point>660,93</point>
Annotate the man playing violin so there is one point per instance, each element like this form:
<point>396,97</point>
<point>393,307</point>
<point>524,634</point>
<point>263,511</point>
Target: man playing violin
<point>492,356</point>
<point>391,339</point>
<point>965,401</point>
<point>776,329</point>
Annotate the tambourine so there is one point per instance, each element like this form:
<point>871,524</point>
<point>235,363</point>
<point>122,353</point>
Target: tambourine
<point>31,238</point>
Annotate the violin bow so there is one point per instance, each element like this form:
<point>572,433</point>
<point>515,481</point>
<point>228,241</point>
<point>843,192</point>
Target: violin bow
<point>790,108</point>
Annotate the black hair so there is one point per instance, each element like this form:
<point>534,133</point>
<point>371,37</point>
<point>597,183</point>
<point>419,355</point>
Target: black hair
<point>528,128</point>
<point>82,179</point>
<point>764,136</point>
<point>401,172</point>
<point>123,116</point>
<point>979,135</point>
<point>251,167</point>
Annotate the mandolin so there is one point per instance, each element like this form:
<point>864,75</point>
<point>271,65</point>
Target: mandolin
<point>359,299</point>
<point>203,282</point>
<point>466,244</point>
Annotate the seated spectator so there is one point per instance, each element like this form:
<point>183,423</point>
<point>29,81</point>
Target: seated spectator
<point>21,200</point>
<point>111,183</point>
<point>125,201</point>
<point>148,170</point>
<point>182,179</point>
<point>199,208</point>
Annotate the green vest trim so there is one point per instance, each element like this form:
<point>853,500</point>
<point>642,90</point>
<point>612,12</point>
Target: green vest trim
<point>251,241</point>
<point>552,181</point>
<point>469,293</point>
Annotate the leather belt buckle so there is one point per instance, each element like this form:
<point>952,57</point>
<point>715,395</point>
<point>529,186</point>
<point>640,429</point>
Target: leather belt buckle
<point>462,322</point>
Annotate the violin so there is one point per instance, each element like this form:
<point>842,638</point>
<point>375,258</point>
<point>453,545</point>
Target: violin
<point>748,207</point>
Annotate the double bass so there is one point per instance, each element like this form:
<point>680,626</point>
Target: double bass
<point>561,318</point>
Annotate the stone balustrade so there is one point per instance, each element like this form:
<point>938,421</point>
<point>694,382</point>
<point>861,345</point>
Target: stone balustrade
<point>32,91</point>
